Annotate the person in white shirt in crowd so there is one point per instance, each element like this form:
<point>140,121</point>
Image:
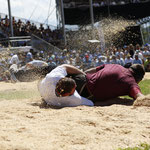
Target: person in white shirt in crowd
<point>121,60</point>
<point>120,53</point>
<point>140,55</point>
<point>108,61</point>
<point>114,60</point>
<point>145,53</point>
<point>58,90</point>
<point>128,61</point>
<point>14,59</point>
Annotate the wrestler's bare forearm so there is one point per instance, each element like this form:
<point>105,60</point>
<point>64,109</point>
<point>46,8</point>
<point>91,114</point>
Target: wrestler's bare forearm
<point>72,70</point>
<point>91,70</point>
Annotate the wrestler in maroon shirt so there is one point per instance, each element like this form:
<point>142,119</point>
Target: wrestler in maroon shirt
<point>111,80</point>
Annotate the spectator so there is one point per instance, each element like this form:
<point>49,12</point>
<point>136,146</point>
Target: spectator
<point>128,61</point>
<point>137,60</point>
<point>100,61</point>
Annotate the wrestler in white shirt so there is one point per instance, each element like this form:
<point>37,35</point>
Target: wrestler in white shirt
<point>47,88</point>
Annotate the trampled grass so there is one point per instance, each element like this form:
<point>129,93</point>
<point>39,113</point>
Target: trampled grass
<point>11,94</point>
<point>20,94</point>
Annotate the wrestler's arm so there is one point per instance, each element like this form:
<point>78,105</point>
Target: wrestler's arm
<point>135,93</point>
<point>91,70</point>
<point>72,70</point>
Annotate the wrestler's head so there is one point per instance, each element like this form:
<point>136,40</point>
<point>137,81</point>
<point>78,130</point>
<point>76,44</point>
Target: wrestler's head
<point>138,72</point>
<point>65,87</point>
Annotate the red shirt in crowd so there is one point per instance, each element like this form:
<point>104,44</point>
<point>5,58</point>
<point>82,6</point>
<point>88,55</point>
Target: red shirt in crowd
<point>110,81</point>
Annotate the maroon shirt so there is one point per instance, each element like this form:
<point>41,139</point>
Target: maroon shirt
<point>110,81</point>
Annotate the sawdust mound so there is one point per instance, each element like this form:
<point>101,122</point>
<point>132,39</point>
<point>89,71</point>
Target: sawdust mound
<point>142,101</point>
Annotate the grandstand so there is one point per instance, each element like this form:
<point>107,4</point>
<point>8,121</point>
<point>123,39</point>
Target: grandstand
<point>77,11</point>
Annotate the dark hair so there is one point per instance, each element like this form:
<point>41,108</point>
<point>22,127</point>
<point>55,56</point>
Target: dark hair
<point>138,72</point>
<point>64,85</point>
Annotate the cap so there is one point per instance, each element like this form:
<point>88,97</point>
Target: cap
<point>87,56</point>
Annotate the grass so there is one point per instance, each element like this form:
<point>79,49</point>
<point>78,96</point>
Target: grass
<point>13,94</point>
<point>145,86</point>
<point>143,146</point>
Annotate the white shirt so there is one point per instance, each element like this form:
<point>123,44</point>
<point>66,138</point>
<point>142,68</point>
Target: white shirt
<point>14,59</point>
<point>47,90</point>
<point>128,60</point>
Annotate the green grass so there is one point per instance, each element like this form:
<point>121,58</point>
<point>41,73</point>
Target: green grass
<point>143,146</point>
<point>145,86</point>
<point>13,94</point>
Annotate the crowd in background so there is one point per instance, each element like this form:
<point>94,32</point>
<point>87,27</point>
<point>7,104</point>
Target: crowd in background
<point>98,3</point>
<point>27,28</point>
<point>82,59</point>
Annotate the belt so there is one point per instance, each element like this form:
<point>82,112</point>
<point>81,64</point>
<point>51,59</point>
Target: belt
<point>85,91</point>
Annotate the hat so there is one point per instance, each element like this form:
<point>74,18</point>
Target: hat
<point>128,55</point>
<point>86,56</point>
<point>146,44</point>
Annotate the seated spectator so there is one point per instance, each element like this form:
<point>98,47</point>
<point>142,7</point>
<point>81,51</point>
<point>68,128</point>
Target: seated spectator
<point>137,60</point>
<point>128,61</point>
<point>145,53</point>
<point>29,57</point>
<point>107,60</point>
<point>100,61</point>
<point>86,62</point>
<point>51,62</point>
<point>121,60</point>
<point>114,60</point>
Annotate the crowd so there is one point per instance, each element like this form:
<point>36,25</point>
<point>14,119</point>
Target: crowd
<point>99,3</point>
<point>125,56</point>
<point>27,28</point>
